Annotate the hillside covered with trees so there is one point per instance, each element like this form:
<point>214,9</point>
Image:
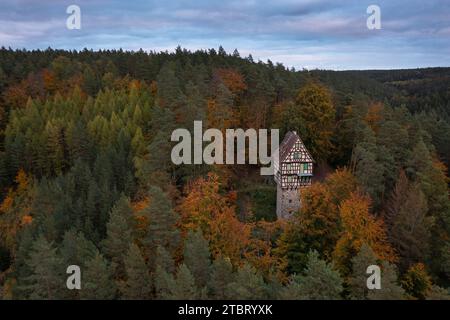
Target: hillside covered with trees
<point>86,178</point>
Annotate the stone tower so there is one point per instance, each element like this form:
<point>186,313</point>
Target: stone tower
<point>293,171</point>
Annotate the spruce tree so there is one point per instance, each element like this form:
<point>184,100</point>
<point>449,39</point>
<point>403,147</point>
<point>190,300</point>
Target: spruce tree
<point>162,230</point>
<point>118,235</point>
<point>183,286</point>
<point>248,284</point>
<point>47,278</point>
<point>357,282</point>
<point>197,257</point>
<point>76,249</point>
<point>319,281</point>
<point>163,274</point>
<point>137,285</point>
<point>97,281</point>
<point>390,289</point>
<point>221,276</point>
<point>407,224</point>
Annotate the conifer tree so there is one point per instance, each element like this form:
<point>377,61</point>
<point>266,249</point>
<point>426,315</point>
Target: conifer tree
<point>357,282</point>
<point>248,284</point>
<point>162,219</point>
<point>197,257</point>
<point>163,274</point>
<point>76,249</point>
<point>319,281</point>
<point>119,236</point>
<point>407,224</point>
<point>438,293</point>
<point>46,280</point>
<point>390,289</point>
<point>97,280</point>
<point>138,282</point>
<point>182,287</point>
<point>221,276</point>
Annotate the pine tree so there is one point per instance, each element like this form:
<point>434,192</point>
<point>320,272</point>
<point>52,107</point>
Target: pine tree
<point>407,224</point>
<point>247,285</point>
<point>438,293</point>
<point>390,289</point>
<point>183,285</point>
<point>319,281</point>
<point>138,283</point>
<point>119,236</point>
<point>162,219</point>
<point>197,257</point>
<point>163,274</point>
<point>221,276</point>
<point>367,166</point>
<point>97,281</point>
<point>76,249</point>
<point>46,280</point>
<point>431,176</point>
<point>291,291</point>
<point>357,282</point>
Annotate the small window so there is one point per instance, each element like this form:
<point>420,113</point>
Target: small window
<point>305,167</point>
<point>296,155</point>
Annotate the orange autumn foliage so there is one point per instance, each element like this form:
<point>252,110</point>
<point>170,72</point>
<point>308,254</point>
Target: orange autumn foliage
<point>50,81</point>
<point>205,208</point>
<point>262,245</point>
<point>15,208</point>
<point>220,117</point>
<point>374,116</point>
<point>228,236</point>
<point>232,79</point>
<point>141,219</point>
<point>359,227</point>
<point>16,96</point>
<point>27,219</point>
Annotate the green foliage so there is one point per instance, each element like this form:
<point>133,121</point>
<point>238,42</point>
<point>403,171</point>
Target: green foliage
<point>319,281</point>
<point>98,282</point>
<point>138,284</point>
<point>182,286</point>
<point>357,282</point>
<point>390,289</point>
<point>197,257</point>
<point>221,277</point>
<point>247,284</point>
<point>119,235</point>
<point>162,229</point>
<point>91,132</point>
<point>312,115</point>
<point>408,226</point>
<point>46,278</point>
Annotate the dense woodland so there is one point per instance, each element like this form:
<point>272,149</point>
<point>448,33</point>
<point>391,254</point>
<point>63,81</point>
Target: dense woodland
<point>86,179</point>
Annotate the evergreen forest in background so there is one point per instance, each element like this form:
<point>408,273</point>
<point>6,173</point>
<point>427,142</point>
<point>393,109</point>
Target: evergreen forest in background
<point>86,178</point>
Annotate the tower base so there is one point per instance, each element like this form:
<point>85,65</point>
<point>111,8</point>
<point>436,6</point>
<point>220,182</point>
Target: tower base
<point>288,202</point>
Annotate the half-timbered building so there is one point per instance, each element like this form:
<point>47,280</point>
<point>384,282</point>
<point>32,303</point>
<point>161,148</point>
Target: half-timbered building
<point>293,171</point>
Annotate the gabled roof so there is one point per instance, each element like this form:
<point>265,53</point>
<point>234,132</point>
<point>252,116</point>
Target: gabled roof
<point>288,143</point>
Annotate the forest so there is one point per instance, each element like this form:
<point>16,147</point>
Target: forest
<point>86,179</point>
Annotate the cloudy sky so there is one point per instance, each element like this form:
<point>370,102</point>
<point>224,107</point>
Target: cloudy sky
<point>299,33</point>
